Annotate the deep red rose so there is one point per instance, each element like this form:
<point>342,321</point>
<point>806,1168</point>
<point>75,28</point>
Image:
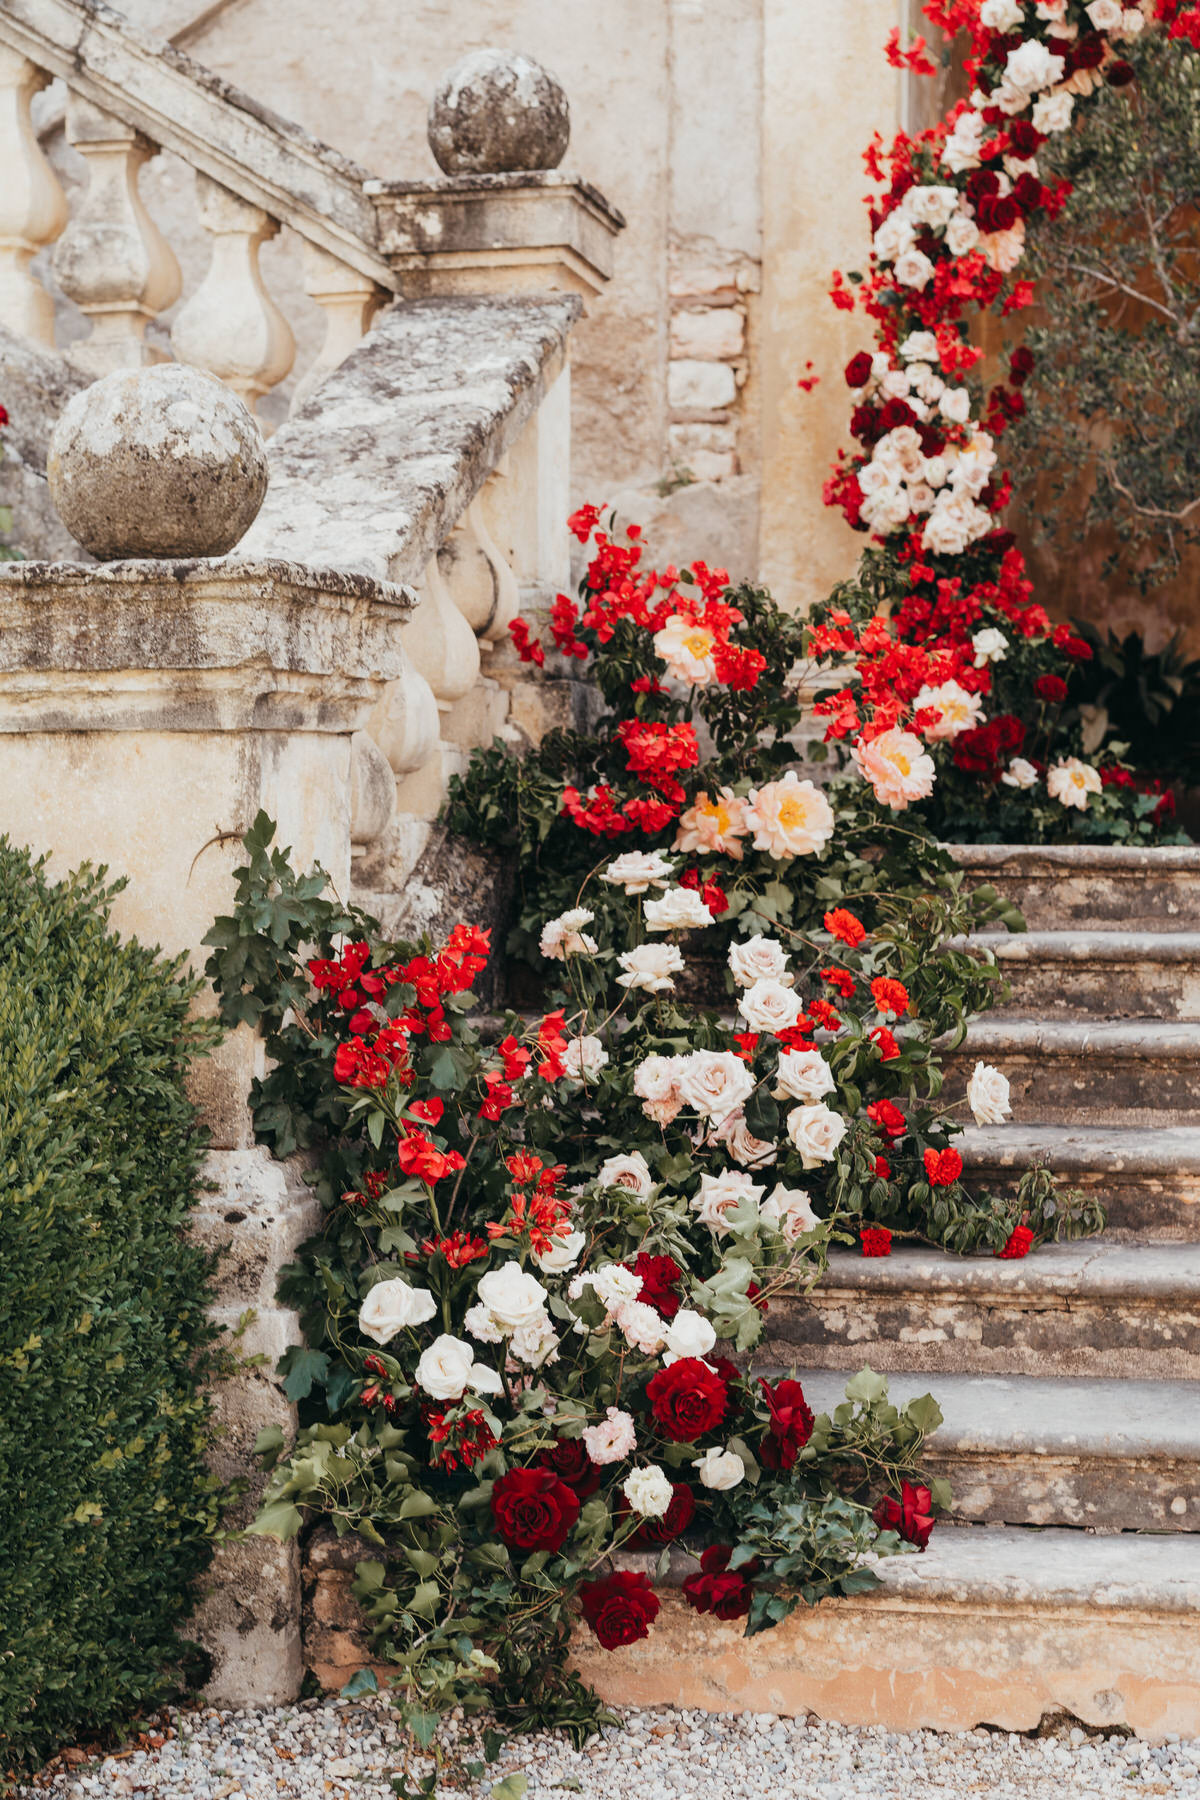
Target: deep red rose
<point>569,1460</point>
<point>888,1117</point>
<point>620,1609</point>
<point>876,1240</point>
<point>729,1372</point>
<point>943,1167</point>
<point>719,1590</point>
<point>911,1515</point>
<point>4,409</point>
<point>791,1424</point>
<point>1120,74</point>
<point>1024,137</point>
<point>1019,1244</point>
<point>687,1400</point>
<point>533,1509</point>
<point>894,414</point>
<point>1021,365</point>
<point>659,1277</point>
<point>1051,688</point>
<point>651,1534</point>
<point>858,369</point>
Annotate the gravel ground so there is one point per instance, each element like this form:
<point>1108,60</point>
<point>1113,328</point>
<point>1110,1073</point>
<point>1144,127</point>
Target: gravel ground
<point>350,1750</point>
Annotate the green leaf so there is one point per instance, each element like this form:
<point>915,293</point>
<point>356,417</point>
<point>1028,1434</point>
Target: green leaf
<point>301,1370</point>
<point>513,1787</point>
<point>363,1681</point>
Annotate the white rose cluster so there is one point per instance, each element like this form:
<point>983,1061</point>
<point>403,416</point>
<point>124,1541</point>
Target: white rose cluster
<point>900,481</point>
<point>714,1083</point>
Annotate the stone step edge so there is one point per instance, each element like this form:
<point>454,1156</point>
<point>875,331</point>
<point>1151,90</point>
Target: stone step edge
<point>1050,1277</point>
<point>1085,947</point>
<point>1145,1040</point>
<point>1082,858</point>
<point>1101,1150</point>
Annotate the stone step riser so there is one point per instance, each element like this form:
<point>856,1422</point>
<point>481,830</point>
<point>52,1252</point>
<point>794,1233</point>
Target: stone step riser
<point>1100,990</point>
<point>1090,1086</point>
<point>1158,1209</point>
<point>1105,1493</point>
<point>1074,903</point>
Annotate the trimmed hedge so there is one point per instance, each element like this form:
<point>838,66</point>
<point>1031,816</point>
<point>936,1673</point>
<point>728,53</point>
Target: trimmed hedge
<point>106,1508</point>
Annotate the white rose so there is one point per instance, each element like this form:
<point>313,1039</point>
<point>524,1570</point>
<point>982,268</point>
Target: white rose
<point>929,205</point>
<point>391,1306</point>
<point>584,1057</point>
<point>564,936</point>
<point>896,384</point>
<point>790,1211</point>
<point>535,1343</point>
<point>989,645</point>
<point>1001,15</point>
<point>1105,14</point>
<point>714,1082</point>
<point>680,909</point>
<point>1020,774</point>
<point>963,146</point>
<point>988,1095</point>
<point>913,269</point>
<point>1031,67</point>
<point>512,1296</point>
<point>445,1368</point>
<point>651,967</point>
<point>816,1133</point>
<point>920,346</point>
<point>804,1075</point>
<point>1071,782</point>
<point>480,1323</point>
<point>758,959</point>
<point>741,1143</point>
<point>631,1172</point>
<point>690,1334</point>
<point>719,1195</point>
<point>962,235</point>
<point>648,1491</point>
<point>563,1256</point>
<point>720,1469</point>
<point>1053,113</point>
<point>482,1380</point>
<point>637,869</point>
<point>770,1006</point>
<point>894,237</point>
<point>955,405</point>
<point>614,1286</point>
<point>1133,22</point>
<point>656,1084</point>
<point>954,523</point>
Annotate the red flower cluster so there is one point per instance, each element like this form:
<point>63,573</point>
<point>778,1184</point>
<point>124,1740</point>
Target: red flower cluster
<point>661,1276</point>
<point>1019,1244</point>
<point>620,1609</point>
<point>534,1509</point>
<point>911,1515</point>
<point>790,1426</point>
<point>943,1167</point>
<point>844,926</point>
<point>876,1240</point>
<point>718,1589</point>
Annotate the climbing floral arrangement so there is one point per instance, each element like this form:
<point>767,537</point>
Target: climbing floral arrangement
<point>544,1247</point>
<point>938,630</point>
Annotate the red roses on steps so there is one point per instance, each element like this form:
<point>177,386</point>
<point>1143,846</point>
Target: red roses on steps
<point>534,1509</point>
<point>620,1609</point>
<point>687,1400</point>
<point>911,1515</point>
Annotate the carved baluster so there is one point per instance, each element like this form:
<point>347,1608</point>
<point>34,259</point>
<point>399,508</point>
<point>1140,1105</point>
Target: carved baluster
<point>348,300</point>
<point>481,582</point>
<point>112,260</point>
<point>33,207</point>
<point>231,326</point>
<point>441,647</point>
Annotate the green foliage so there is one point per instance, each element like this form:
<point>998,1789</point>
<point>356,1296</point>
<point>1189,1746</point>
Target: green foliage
<point>108,1509</point>
<point>1116,388</point>
<point>1150,699</point>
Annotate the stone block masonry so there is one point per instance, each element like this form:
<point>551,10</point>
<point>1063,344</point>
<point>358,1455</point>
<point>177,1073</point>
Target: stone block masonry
<point>711,412</point>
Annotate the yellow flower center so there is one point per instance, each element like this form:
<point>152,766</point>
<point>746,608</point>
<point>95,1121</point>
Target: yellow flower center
<point>698,643</point>
<point>791,812</point>
<point>901,762</point>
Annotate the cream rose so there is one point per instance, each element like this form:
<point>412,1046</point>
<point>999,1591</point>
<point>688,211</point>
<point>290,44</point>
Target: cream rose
<point>584,1057</point>
<point>565,936</point>
<point>897,767</point>
<point>613,1285</point>
<point>631,1172</point>
<point>962,235</point>
<point>650,967</point>
<point>719,1195</point>
<point>648,1491</point>
<point>1052,113</point>
<point>920,346</point>
<point>816,1133</point>
<point>714,1082</point>
<point>960,710</point>
<point>690,1334</point>
<point>758,959</point>
<point>804,1075</point>
<point>535,1343</point>
<point>955,405</point>
<point>988,1095</point>
<point>637,870</point>
<point>790,1211</point>
<point>1001,15</point>
<point>444,1369</point>
<point>913,269</point>
<point>656,1084</point>
<point>741,1143</point>
<point>990,646</point>
<point>789,817</point>
<point>1020,774</point>
<point>770,1006</point>
<point>1071,782</point>
<point>687,649</point>
<point>512,1296</point>
<point>563,1256</point>
<point>680,909</point>
<point>716,824</point>
<point>719,1469</point>
<point>1031,67</point>
<point>393,1306</point>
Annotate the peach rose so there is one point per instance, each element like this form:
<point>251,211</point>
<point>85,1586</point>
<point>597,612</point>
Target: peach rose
<point>897,767</point>
<point>713,824</point>
<point>789,817</point>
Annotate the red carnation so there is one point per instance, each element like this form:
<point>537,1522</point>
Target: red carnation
<point>659,1274</point>
<point>724,1592</point>
<point>888,1117</point>
<point>911,1515</point>
<point>652,1534</point>
<point>568,1459</point>
<point>1020,1243</point>
<point>876,1240</point>
<point>842,924</point>
<point>620,1609</point>
<point>885,1042</point>
<point>943,1167</point>
<point>791,1424</point>
<point>1051,688</point>
<point>687,1400</point>
<point>889,996</point>
<point>533,1509</point>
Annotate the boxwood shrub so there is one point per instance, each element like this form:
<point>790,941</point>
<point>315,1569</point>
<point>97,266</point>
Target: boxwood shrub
<point>106,1508</point>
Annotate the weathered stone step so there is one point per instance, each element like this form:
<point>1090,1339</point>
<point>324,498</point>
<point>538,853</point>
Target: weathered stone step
<point>1097,974</point>
<point>1115,1455</point>
<point>1104,1071</point>
<point>1091,885</point>
<point>1148,1181</point>
<point>1094,1308</point>
<point>986,1627</point>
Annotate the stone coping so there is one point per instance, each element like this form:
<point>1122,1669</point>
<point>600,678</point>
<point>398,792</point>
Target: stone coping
<point>453,187</point>
<point>1081,858</point>
<point>1091,1270</point>
<point>1085,946</point>
<point>1078,1150</point>
<point>1139,1039</point>
<point>200,571</point>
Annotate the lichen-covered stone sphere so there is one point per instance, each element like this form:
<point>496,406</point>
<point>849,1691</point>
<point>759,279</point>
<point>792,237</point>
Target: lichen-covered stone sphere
<point>157,462</point>
<point>498,112</point>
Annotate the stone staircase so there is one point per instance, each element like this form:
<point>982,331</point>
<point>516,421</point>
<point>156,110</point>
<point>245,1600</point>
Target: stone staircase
<point>1070,1382</point>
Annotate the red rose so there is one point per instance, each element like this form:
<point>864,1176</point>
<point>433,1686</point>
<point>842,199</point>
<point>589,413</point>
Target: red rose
<point>876,1240</point>
<point>687,1400</point>
<point>1019,1244</point>
<point>1051,688</point>
<point>858,369</point>
<point>651,1534</point>
<point>791,1424</point>
<point>943,1167</point>
<point>717,1589</point>
<point>883,1168</point>
<point>911,1515</point>
<point>1020,365</point>
<point>620,1609</point>
<point>533,1509</point>
<point>659,1275</point>
<point>888,1117</point>
<point>568,1459</point>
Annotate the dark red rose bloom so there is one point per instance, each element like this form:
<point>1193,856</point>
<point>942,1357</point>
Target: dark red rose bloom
<point>687,1400</point>
<point>1024,137</point>
<point>1120,74</point>
<point>620,1609</point>
<point>911,1515</point>
<point>895,413</point>
<point>717,1589</point>
<point>728,1371</point>
<point>569,1460</point>
<point>1051,688</point>
<point>651,1534</point>
<point>858,370</point>
<point>533,1509</point>
<point>791,1424</point>
<point>659,1277</point>
<point>1021,365</point>
<point>1019,1244</point>
<point>876,1240</point>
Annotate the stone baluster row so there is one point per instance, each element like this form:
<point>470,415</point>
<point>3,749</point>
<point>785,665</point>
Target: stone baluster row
<point>114,263</point>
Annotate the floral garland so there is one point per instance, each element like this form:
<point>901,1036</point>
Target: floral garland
<point>948,235</point>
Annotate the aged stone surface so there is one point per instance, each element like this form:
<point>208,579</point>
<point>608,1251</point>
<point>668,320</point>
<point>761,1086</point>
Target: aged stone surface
<point>497,111</point>
<point>36,385</point>
<point>157,462</point>
<point>1147,1180</point>
<point>1092,886</point>
<point>1114,1072</point>
<point>1097,974</point>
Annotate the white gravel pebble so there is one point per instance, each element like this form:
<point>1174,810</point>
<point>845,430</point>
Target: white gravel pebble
<point>351,1749</point>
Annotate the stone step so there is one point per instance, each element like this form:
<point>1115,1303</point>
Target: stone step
<point>1095,1308</point>
<point>1025,1450</point>
<point>986,1627</point>
<point>1091,886</point>
<point>1147,1181</point>
<point>1103,1071</point>
<point>1097,974</point>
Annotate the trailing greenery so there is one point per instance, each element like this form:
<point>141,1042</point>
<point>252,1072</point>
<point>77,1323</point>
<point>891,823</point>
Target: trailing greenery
<point>108,1509</point>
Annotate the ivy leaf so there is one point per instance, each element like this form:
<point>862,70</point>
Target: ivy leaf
<point>302,1369</point>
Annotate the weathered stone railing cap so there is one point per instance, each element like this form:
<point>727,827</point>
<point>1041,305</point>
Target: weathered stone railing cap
<point>498,110</point>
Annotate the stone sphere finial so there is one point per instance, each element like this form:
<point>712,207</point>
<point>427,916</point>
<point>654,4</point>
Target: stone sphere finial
<point>157,462</point>
<point>498,112</point>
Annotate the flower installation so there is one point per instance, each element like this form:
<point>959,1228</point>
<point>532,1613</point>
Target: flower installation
<point>953,668</point>
<point>537,1317</point>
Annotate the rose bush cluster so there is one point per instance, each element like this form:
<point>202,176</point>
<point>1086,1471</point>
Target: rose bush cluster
<point>537,1317</point>
<point>959,696</point>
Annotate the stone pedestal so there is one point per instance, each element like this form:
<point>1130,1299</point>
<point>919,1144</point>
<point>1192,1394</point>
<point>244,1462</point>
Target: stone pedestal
<point>148,710</point>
